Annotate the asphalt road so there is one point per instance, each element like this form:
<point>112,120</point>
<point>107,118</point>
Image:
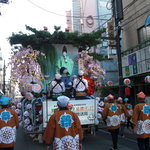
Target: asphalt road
<point>101,141</point>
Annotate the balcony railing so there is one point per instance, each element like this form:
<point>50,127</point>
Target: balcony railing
<point>136,48</point>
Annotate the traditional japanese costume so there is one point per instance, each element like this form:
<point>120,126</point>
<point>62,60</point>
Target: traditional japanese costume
<point>111,115</point>
<point>123,110</point>
<point>129,109</point>
<point>8,124</point>
<point>64,131</point>
<point>141,119</point>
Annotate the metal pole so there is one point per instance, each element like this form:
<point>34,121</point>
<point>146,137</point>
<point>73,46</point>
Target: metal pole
<point>4,73</point>
<point>118,46</point>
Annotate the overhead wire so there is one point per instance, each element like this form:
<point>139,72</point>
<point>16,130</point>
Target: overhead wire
<point>60,14</point>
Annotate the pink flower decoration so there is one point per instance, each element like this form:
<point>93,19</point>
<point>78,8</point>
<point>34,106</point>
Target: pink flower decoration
<point>100,109</point>
<point>18,111</point>
<point>27,121</point>
<point>99,116</point>
<point>26,113</point>
<point>97,98</point>
<point>13,107</point>
<point>29,128</point>
<point>28,106</point>
<point>19,105</point>
<point>101,104</point>
<point>36,88</point>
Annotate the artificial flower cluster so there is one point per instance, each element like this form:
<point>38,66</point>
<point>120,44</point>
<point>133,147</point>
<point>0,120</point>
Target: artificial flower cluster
<point>91,67</point>
<point>26,71</point>
<point>100,108</point>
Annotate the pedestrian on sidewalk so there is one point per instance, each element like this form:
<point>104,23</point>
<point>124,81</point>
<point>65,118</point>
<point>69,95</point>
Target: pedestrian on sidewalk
<point>111,115</point>
<point>63,129</point>
<point>8,124</point>
<point>123,116</point>
<point>141,121</point>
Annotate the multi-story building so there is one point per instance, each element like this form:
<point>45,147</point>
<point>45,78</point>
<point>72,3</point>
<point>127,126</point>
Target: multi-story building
<point>87,20</point>
<point>69,21</point>
<point>136,44</point>
<point>76,16</point>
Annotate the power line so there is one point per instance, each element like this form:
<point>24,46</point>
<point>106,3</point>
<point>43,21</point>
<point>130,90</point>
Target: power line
<point>136,17</point>
<point>61,14</point>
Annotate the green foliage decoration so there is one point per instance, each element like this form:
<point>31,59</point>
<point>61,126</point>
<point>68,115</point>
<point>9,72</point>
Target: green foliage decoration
<point>41,37</point>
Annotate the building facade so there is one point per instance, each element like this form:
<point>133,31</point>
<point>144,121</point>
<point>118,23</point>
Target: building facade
<point>69,21</point>
<point>76,16</point>
<point>136,44</point>
<point>94,15</point>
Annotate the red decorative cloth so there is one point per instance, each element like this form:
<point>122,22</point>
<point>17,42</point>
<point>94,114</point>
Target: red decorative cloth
<point>91,85</point>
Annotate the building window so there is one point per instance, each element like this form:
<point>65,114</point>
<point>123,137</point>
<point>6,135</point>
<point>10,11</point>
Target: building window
<point>143,33</point>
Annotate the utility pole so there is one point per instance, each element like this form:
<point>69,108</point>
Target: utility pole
<point>118,15</point>
<point>4,74</point>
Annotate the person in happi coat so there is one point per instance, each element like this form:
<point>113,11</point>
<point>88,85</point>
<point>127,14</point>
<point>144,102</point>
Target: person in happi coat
<point>129,109</point>
<point>56,87</point>
<point>80,86</point>
<point>141,121</point>
<point>63,129</point>
<point>8,124</point>
<point>111,115</point>
<point>123,116</point>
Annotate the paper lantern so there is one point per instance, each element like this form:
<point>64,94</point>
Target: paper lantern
<point>127,81</point>
<point>147,79</point>
<point>110,83</point>
<point>127,91</point>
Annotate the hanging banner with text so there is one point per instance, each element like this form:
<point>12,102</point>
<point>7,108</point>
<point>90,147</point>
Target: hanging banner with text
<point>85,109</point>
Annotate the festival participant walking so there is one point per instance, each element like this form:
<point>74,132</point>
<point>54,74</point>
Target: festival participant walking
<point>111,115</point>
<point>8,124</point>
<point>129,109</point>
<point>63,129</point>
<point>141,120</point>
<point>123,116</point>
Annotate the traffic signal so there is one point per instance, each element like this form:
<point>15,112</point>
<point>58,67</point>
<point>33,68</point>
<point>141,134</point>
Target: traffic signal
<point>111,32</point>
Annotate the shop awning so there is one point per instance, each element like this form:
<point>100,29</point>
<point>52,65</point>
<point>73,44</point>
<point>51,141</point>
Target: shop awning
<point>147,22</point>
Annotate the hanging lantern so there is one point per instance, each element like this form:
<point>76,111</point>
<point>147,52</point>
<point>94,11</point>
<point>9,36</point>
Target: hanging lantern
<point>147,79</point>
<point>109,83</point>
<point>127,81</point>
<point>127,91</point>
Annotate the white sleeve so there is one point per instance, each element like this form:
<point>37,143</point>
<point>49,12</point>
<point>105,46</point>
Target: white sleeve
<point>63,85</point>
<point>74,83</point>
<point>86,83</point>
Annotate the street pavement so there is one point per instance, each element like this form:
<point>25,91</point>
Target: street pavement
<point>101,141</point>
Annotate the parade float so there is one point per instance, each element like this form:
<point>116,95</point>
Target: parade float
<point>33,70</point>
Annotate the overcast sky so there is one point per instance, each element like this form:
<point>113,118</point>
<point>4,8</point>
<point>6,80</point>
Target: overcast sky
<point>35,13</point>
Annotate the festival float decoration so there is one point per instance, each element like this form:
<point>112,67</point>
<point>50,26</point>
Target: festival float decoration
<point>100,109</point>
<point>147,79</point>
<point>26,72</point>
<point>93,72</point>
